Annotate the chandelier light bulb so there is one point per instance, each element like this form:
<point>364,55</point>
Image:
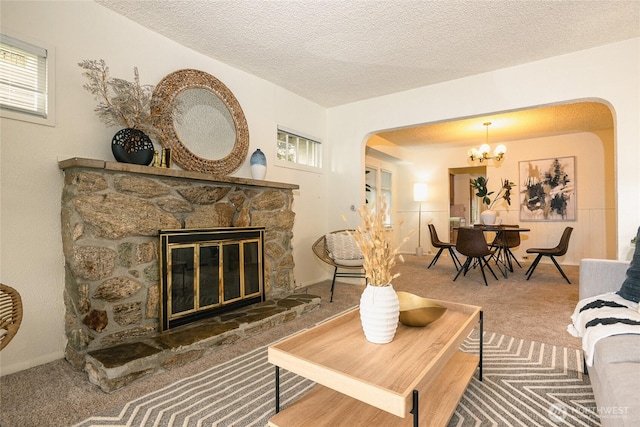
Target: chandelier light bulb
<point>500,151</point>
<point>483,153</point>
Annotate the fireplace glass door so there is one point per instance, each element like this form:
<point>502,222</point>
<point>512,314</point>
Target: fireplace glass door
<point>182,280</point>
<point>209,275</point>
<point>204,277</point>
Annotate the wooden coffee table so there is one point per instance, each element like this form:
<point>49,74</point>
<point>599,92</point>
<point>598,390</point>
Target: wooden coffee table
<point>417,379</point>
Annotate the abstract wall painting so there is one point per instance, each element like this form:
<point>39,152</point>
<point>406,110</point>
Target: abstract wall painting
<point>548,189</point>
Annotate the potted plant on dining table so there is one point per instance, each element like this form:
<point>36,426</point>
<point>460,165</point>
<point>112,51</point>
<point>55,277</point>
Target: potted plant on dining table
<point>488,216</point>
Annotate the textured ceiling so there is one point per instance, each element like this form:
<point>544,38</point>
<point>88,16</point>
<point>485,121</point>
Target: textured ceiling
<point>335,52</point>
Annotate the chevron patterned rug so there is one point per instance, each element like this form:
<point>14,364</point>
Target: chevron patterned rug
<point>524,384</point>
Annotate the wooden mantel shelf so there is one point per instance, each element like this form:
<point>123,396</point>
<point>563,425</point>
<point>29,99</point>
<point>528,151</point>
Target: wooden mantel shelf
<point>77,162</point>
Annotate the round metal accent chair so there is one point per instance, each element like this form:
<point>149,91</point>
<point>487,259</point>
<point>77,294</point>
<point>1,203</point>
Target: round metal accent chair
<point>472,244</point>
<point>10,314</point>
<point>321,250</point>
<point>559,250</point>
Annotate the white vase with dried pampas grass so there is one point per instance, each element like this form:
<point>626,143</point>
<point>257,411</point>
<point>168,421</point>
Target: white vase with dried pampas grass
<point>379,305</point>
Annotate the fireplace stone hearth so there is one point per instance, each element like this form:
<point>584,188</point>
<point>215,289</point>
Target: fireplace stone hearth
<point>111,214</point>
<point>114,367</point>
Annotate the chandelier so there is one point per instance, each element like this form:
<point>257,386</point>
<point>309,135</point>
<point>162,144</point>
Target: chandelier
<point>482,153</point>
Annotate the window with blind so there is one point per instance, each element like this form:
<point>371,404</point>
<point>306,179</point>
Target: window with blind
<point>24,80</point>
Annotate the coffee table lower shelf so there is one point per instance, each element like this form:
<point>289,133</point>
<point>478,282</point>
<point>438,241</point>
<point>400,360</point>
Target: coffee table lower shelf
<point>323,406</point>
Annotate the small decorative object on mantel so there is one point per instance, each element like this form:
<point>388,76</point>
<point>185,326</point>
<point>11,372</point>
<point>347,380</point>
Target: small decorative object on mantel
<point>166,158</point>
<point>488,216</point>
<point>379,305</point>
<point>258,164</point>
<point>127,104</point>
<point>162,159</point>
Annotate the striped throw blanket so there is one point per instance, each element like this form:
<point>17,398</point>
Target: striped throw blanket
<point>602,316</point>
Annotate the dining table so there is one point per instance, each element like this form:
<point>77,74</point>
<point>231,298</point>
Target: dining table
<point>503,254</point>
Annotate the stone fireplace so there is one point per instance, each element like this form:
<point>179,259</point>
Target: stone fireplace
<point>111,217</point>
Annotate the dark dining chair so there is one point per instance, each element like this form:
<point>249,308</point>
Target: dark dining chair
<point>472,244</point>
<point>558,250</point>
<point>503,242</point>
<point>441,246</point>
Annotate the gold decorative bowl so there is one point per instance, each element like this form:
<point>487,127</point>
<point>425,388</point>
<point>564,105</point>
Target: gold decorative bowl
<point>418,311</point>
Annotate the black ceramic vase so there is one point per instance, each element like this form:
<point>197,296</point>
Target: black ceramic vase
<point>132,146</point>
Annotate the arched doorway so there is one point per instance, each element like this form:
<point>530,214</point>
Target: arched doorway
<point>580,129</point>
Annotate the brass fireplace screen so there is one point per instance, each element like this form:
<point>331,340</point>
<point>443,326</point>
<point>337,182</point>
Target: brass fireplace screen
<point>204,272</point>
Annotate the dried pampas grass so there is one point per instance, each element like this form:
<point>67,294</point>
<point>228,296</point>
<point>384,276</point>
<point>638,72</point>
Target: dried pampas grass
<point>372,237</point>
<point>124,103</point>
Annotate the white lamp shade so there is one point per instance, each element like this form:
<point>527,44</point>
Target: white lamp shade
<point>419,192</point>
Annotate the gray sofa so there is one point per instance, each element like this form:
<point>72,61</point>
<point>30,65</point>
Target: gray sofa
<point>615,373</point>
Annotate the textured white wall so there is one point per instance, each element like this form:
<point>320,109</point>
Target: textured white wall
<point>30,247</point>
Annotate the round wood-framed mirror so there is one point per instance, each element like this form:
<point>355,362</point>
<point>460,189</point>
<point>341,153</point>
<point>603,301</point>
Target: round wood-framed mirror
<point>208,131</point>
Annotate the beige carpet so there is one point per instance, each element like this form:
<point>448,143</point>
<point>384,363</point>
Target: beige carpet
<point>55,394</point>
<point>524,384</point>
<point>536,310</point>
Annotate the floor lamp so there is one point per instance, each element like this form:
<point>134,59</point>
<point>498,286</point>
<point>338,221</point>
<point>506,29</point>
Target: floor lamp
<point>419,195</point>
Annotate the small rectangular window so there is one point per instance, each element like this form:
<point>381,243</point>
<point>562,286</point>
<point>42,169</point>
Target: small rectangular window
<point>385,190</point>
<point>298,150</point>
<point>378,184</point>
<point>371,186</point>
<point>25,76</point>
